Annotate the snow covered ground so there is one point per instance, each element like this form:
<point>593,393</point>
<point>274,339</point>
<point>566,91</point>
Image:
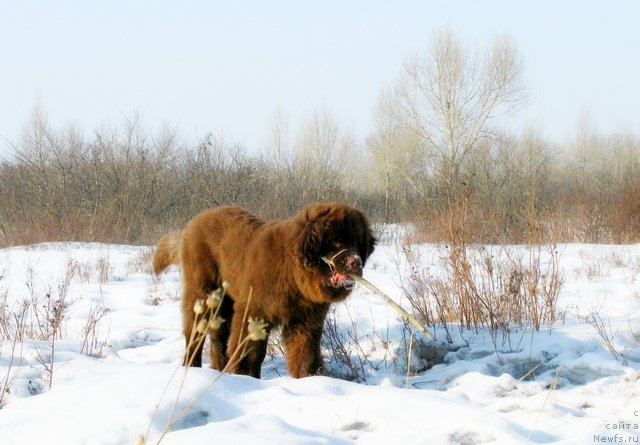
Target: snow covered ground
<point>106,372</point>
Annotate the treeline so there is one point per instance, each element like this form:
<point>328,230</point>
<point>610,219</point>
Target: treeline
<point>130,185</point>
<point>439,156</point>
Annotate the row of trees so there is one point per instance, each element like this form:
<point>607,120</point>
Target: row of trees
<point>439,146</point>
<point>131,185</point>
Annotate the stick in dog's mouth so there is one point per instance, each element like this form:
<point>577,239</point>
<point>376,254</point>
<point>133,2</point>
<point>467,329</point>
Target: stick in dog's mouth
<point>395,306</point>
<point>339,279</point>
<point>374,290</point>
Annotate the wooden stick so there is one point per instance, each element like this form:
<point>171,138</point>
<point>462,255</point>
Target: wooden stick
<point>374,290</point>
<point>404,314</point>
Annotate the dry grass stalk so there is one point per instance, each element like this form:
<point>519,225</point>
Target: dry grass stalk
<point>13,325</point>
<point>207,318</point>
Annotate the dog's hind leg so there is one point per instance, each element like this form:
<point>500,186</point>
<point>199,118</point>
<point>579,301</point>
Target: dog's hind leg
<point>220,337</point>
<point>197,284</point>
<point>193,347</point>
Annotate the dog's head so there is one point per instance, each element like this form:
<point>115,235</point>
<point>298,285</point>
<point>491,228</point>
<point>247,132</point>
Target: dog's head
<point>334,241</point>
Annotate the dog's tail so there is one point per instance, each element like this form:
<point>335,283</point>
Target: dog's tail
<point>167,252</point>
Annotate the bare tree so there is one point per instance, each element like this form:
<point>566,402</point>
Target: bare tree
<point>395,157</point>
<point>278,144</point>
<point>278,157</point>
<point>452,99</point>
<point>321,156</point>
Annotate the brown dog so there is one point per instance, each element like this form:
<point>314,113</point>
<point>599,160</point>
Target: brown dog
<point>280,264</point>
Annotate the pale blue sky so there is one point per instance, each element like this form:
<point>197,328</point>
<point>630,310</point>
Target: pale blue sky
<point>218,66</point>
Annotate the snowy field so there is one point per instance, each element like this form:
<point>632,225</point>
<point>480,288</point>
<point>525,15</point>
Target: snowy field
<point>102,344</point>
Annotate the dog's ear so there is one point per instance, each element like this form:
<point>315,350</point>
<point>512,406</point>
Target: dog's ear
<point>369,243</point>
<point>313,225</point>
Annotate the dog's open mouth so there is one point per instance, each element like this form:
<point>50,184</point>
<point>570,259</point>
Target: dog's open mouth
<point>342,265</point>
<point>339,280</point>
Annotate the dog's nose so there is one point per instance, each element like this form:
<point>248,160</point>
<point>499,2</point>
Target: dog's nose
<point>354,263</point>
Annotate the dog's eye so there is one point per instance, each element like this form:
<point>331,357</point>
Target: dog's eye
<point>331,247</point>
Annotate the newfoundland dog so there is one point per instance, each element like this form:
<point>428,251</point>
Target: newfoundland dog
<point>283,272</point>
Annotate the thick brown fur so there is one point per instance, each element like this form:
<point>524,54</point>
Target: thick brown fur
<point>279,264</point>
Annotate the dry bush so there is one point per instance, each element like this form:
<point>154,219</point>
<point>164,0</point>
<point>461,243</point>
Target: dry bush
<point>13,323</point>
<point>49,306</point>
<point>345,361</point>
<point>624,220</point>
<point>348,359</point>
<point>93,342</point>
<point>142,262</point>
<point>495,287</point>
<point>608,337</point>
<point>158,293</point>
<point>47,317</point>
<point>98,270</point>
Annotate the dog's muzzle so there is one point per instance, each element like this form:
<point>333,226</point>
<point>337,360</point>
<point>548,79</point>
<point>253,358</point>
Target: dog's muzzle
<point>342,265</point>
